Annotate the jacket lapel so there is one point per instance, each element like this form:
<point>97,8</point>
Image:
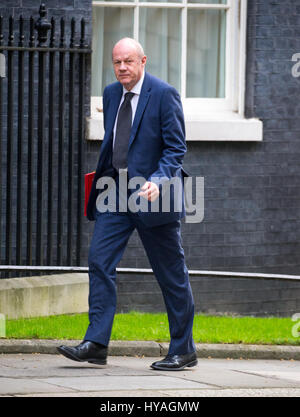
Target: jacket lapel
<point>143,100</point>
<point>111,113</point>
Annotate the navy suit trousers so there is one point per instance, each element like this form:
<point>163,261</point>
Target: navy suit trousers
<point>165,253</point>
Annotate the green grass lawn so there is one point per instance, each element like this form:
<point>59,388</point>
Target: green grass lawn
<point>144,326</point>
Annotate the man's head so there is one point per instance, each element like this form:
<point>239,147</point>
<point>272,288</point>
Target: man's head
<point>129,62</point>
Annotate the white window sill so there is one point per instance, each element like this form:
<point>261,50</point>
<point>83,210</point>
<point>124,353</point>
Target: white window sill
<point>223,126</point>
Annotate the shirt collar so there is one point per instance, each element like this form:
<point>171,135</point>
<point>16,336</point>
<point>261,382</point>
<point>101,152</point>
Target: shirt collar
<point>138,86</point>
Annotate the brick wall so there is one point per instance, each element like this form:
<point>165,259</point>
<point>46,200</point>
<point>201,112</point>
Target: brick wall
<point>215,295</point>
<point>66,8</point>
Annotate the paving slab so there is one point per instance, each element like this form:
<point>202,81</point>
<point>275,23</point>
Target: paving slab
<point>258,392</point>
<point>17,386</point>
<point>133,382</point>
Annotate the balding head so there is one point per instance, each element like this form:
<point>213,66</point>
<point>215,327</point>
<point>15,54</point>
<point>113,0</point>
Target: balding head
<point>131,44</point>
<point>129,61</point>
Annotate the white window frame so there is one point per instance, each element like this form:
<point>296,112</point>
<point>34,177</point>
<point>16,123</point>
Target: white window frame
<point>212,119</point>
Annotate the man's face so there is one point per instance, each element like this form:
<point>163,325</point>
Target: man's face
<point>128,65</point>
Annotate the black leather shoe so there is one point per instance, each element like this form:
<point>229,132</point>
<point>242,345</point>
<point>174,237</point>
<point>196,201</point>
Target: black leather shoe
<point>85,352</point>
<point>176,362</point>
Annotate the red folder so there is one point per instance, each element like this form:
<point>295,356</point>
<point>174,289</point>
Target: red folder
<point>88,181</point>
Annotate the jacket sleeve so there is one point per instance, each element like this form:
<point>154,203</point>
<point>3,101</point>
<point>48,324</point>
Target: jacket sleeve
<point>173,137</point>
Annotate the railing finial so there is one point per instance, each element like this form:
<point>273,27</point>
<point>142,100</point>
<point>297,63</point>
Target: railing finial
<point>42,25</point>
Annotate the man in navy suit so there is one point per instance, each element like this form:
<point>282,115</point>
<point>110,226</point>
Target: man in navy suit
<point>144,139</point>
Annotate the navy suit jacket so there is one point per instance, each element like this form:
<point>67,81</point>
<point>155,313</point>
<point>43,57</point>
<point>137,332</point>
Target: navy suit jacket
<point>156,146</point>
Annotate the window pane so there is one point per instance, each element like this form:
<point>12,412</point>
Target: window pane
<point>109,25</point>
<point>206,41</point>
<point>208,1</point>
<point>160,35</point>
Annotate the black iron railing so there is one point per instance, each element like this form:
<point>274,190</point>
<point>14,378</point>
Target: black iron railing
<point>42,114</point>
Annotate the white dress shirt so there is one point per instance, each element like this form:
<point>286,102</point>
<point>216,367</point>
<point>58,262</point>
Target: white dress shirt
<point>134,101</point>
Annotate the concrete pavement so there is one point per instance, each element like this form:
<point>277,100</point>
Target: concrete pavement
<point>49,375</point>
<point>32,368</point>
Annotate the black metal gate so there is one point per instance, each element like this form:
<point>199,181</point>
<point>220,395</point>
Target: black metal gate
<point>42,115</point>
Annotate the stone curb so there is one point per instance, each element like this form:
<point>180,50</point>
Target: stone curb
<point>155,349</point>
